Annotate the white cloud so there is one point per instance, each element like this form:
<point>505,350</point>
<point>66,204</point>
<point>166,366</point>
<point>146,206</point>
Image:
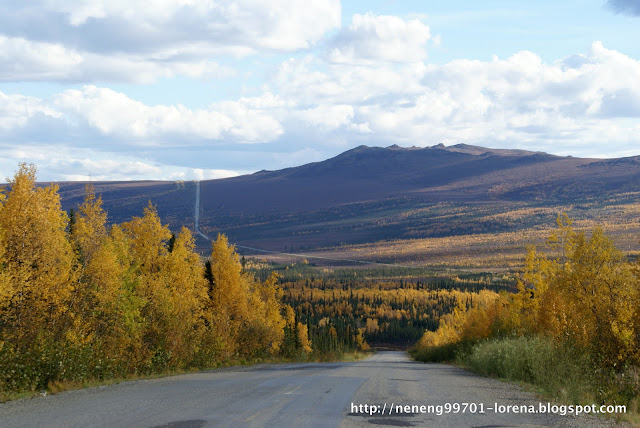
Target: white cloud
<point>82,115</point>
<point>113,113</point>
<point>372,38</point>
<point>326,117</point>
<point>17,110</point>
<point>118,40</point>
<point>277,24</point>
<point>21,59</point>
<point>518,101</point>
<point>309,81</point>
<point>129,169</point>
<point>26,60</point>
<point>249,125</point>
<point>57,163</point>
<point>79,11</point>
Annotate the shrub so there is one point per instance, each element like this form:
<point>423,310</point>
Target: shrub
<point>561,371</point>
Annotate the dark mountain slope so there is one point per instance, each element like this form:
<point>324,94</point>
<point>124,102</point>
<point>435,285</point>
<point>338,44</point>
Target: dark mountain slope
<point>372,193</point>
<point>369,173</point>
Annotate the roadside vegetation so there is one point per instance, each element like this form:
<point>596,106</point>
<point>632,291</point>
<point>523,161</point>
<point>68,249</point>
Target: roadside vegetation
<point>572,330</point>
<point>81,301</point>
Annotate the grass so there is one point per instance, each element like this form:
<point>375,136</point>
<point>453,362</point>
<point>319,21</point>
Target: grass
<point>555,372</point>
<point>57,387</point>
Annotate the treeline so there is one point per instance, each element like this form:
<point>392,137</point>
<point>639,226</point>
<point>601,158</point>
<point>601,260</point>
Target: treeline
<point>81,300</point>
<point>382,313</point>
<point>573,327</point>
<point>387,277</point>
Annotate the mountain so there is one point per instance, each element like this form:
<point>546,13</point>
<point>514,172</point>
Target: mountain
<point>370,194</point>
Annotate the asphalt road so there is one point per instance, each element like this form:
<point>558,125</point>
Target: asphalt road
<point>291,395</point>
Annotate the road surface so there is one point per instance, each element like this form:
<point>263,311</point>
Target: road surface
<point>289,395</point>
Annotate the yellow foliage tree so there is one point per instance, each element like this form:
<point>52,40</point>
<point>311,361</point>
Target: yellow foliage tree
<point>303,338</point>
<point>79,299</point>
<point>95,278</point>
<point>229,295</point>
<point>268,319</point>
<point>108,312</point>
<point>120,318</point>
<point>601,295</point>
<point>148,238</point>
<point>38,262</point>
<point>90,227</point>
<point>587,296</point>
<point>186,290</point>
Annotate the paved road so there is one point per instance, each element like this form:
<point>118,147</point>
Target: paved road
<point>287,395</point>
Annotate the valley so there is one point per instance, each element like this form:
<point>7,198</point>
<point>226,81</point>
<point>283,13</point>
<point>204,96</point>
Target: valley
<point>458,207</point>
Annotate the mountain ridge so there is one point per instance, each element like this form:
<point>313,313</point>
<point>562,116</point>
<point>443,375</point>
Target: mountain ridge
<point>368,194</point>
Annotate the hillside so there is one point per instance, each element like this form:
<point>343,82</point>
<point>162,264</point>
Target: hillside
<point>371,194</point>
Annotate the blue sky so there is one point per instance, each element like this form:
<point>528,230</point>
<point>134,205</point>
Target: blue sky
<point>198,89</point>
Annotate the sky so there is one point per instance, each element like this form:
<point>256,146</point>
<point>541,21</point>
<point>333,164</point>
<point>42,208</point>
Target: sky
<point>202,89</point>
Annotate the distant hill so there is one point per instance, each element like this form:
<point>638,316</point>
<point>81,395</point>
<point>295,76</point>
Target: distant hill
<point>369,194</point>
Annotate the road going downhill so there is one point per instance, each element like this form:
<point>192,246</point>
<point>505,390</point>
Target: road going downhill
<point>287,395</point>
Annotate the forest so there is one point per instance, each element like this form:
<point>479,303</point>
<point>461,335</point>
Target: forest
<point>389,306</point>
<point>387,313</point>
<point>83,300</point>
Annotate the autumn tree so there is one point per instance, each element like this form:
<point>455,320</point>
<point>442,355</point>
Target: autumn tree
<point>147,238</point>
<point>601,295</point>
<point>90,226</point>
<point>37,282</point>
<point>584,294</point>
<point>186,294</point>
<point>265,329</point>
<point>88,234</point>
<point>82,299</point>
<point>303,338</point>
<point>105,298</point>
<point>229,295</point>
<point>38,261</point>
